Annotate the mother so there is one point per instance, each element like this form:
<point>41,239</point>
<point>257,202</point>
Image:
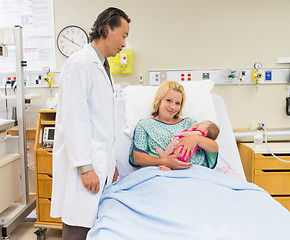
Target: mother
<point>158,131</point>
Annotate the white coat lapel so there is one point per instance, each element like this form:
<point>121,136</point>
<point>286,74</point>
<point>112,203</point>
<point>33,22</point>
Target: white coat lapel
<point>94,57</point>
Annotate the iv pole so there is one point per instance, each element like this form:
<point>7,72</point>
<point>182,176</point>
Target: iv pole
<point>21,111</point>
<point>26,206</point>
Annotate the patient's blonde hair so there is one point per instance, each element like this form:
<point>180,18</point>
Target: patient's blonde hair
<point>161,92</point>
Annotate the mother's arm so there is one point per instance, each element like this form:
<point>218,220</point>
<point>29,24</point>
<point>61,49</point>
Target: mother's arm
<point>144,159</point>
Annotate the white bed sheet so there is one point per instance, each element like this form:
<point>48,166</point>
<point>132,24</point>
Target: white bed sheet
<point>228,160</point>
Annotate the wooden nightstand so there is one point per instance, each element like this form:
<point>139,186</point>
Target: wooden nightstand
<point>43,172</point>
<point>266,171</point>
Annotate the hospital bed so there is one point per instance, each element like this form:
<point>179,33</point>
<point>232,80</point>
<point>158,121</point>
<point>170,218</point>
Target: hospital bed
<point>197,203</point>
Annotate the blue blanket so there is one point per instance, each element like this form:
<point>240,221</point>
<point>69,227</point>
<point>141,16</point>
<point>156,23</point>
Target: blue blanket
<point>197,203</point>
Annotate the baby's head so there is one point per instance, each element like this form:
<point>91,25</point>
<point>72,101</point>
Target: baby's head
<point>210,129</point>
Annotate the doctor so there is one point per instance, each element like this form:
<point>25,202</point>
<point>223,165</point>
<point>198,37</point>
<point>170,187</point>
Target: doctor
<point>84,159</point>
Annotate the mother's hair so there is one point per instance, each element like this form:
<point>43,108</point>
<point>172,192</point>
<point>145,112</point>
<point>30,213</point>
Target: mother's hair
<point>161,92</point>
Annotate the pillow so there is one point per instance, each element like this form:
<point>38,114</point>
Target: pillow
<point>139,100</point>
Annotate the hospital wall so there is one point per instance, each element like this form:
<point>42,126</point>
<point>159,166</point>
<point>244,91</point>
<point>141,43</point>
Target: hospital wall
<point>194,34</point>
<point>208,34</point>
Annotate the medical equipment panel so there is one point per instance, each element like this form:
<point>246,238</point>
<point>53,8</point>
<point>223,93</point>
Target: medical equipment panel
<point>48,136</point>
<point>32,79</point>
<point>222,76</point>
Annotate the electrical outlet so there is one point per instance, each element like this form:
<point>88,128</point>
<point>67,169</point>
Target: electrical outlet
<point>185,76</point>
<point>182,76</point>
<point>154,78</point>
<point>163,77</point>
<point>189,76</point>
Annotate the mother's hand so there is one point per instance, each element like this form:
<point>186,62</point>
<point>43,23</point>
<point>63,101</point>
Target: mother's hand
<point>188,143</point>
<point>173,163</point>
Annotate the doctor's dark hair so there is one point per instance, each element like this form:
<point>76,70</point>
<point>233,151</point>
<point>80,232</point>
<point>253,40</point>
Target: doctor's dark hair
<point>109,17</point>
<point>161,92</point>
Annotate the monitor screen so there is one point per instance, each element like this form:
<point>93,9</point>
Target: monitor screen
<point>50,134</point>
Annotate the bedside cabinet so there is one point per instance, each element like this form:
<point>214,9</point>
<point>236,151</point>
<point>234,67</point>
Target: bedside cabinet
<point>266,171</point>
<point>43,172</point>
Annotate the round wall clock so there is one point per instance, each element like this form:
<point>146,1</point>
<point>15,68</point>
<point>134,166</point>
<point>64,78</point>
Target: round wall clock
<point>71,39</point>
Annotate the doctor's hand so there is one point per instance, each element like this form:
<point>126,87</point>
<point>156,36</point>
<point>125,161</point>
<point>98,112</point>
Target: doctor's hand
<point>91,181</point>
<point>173,163</point>
<point>116,175</point>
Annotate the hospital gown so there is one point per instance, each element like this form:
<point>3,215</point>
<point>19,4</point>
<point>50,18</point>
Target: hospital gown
<point>151,133</point>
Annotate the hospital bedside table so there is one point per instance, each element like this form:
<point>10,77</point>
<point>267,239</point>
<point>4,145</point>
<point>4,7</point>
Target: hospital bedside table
<point>43,172</point>
<point>266,171</point>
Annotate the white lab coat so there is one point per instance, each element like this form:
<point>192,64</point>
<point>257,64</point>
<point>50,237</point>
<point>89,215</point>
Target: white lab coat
<point>85,134</point>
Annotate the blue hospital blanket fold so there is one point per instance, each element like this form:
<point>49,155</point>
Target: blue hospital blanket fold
<point>193,204</point>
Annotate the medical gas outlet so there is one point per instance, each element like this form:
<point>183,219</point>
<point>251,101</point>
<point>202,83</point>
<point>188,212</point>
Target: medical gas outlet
<point>257,75</point>
<point>231,75</point>
<point>49,77</point>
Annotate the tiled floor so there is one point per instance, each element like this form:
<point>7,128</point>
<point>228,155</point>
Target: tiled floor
<point>25,231</point>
